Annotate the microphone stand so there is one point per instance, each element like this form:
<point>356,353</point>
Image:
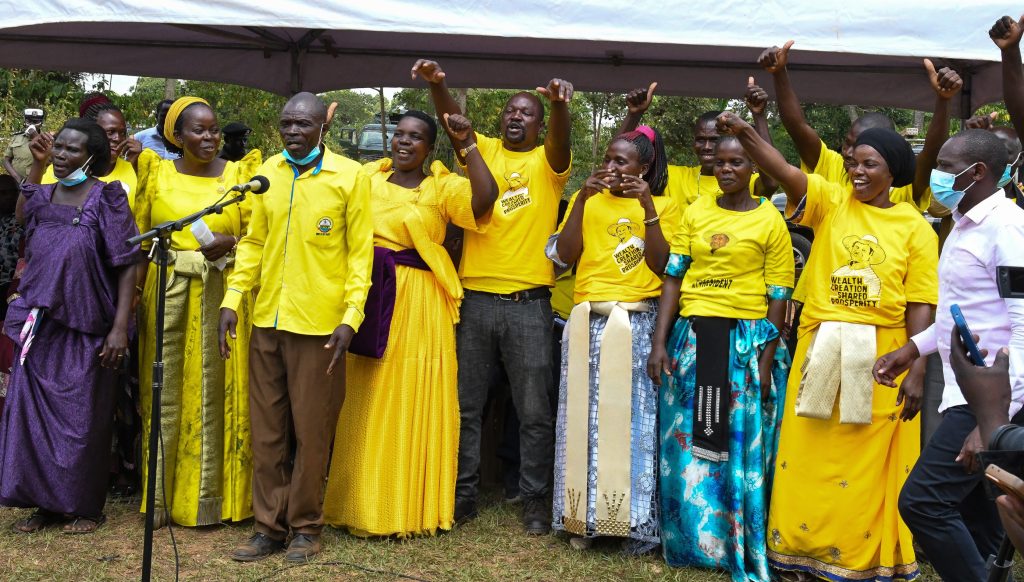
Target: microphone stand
<point>161,237</point>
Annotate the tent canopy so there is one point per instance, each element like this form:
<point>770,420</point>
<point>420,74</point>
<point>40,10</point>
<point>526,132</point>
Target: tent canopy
<point>866,52</point>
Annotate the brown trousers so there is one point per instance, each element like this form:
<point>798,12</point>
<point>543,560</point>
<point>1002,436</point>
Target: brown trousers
<point>294,406</point>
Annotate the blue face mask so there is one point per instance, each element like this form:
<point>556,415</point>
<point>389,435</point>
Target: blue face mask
<point>942,187</point>
<point>1008,173</point>
<point>312,155</point>
<point>76,177</point>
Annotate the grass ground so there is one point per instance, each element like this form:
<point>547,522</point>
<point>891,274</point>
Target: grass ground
<point>491,547</point>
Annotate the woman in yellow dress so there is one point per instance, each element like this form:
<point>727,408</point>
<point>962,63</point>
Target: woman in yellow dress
<point>847,443</point>
<point>396,446</point>
<point>205,467</point>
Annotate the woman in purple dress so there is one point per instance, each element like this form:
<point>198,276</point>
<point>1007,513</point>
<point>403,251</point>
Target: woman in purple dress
<point>70,327</point>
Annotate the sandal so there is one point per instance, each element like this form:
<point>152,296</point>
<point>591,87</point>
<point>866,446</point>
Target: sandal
<point>39,519</point>
<point>84,525</point>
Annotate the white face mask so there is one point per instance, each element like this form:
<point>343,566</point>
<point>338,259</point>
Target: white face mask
<point>76,177</point>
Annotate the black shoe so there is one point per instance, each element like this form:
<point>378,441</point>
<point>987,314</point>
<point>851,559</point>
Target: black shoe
<point>536,516</point>
<point>303,547</point>
<point>465,510</point>
<point>259,546</point>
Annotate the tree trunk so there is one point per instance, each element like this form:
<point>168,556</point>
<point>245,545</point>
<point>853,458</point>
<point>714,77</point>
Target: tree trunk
<point>851,111</point>
<point>169,87</point>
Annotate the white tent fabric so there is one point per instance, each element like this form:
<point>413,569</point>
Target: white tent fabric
<point>866,52</point>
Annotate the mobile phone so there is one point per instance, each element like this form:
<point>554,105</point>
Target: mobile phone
<point>1008,482</point>
<point>1010,281</point>
<point>965,335</point>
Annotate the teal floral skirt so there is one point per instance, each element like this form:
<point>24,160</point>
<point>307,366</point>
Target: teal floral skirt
<point>715,514</point>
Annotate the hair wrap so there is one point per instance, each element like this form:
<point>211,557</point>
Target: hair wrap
<point>90,101</point>
<point>894,149</point>
<point>174,112</point>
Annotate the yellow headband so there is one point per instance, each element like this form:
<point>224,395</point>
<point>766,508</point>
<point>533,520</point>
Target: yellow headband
<point>174,112</point>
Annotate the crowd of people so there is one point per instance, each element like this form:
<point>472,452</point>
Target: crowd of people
<point>328,360</point>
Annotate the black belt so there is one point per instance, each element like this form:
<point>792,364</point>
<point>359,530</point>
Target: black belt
<point>518,296</point>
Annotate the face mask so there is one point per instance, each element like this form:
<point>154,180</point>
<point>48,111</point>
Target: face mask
<point>76,177</point>
<point>942,187</point>
<point>312,155</point>
<point>1008,173</point>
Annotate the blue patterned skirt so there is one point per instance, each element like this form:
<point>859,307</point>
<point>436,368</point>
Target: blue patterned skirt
<point>715,514</point>
<point>643,507</point>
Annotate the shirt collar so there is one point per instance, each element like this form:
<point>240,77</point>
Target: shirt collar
<point>329,162</point>
<point>981,210</point>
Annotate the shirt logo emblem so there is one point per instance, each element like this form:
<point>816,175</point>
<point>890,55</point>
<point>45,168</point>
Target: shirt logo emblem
<point>325,226</point>
<point>856,284</point>
<point>629,253</point>
<point>517,196</point>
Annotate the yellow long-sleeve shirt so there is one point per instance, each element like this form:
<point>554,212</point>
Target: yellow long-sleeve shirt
<point>309,247</point>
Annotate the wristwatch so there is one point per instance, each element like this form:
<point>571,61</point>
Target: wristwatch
<point>465,151</point>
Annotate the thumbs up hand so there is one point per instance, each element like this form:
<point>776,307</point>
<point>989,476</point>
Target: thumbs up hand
<point>774,59</point>
<point>756,98</point>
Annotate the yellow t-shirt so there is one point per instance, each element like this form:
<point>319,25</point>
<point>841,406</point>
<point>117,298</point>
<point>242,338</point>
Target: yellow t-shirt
<point>686,184</point>
<point>867,262</point>
<point>123,172</point>
<point>509,255</point>
<point>832,167</point>
<point>562,294</point>
<point>612,266</point>
<point>735,256</point>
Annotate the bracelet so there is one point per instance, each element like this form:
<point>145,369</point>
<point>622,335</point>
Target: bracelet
<point>652,221</point>
<point>465,151</point>
<point>235,246</point>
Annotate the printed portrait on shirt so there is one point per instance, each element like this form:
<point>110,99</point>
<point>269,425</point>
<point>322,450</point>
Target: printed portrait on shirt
<point>629,253</point>
<point>517,196</point>
<point>855,284</point>
<point>719,241</point>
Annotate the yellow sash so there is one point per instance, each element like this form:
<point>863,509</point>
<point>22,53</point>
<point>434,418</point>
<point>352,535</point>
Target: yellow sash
<point>839,358</point>
<point>614,416</point>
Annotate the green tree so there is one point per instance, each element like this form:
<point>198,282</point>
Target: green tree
<point>256,108</point>
<point>56,92</point>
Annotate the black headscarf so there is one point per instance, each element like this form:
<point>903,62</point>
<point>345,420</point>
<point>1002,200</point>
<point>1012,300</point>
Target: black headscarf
<point>894,149</point>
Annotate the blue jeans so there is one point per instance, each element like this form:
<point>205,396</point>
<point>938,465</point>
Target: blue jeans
<point>519,334</point>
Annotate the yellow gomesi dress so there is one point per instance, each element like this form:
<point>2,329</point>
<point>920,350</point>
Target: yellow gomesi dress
<point>396,446</point>
<point>834,499</point>
<point>206,464</point>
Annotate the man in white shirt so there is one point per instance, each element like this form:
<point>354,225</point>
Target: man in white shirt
<point>944,502</point>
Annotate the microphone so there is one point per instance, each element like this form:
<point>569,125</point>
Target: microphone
<point>258,185</point>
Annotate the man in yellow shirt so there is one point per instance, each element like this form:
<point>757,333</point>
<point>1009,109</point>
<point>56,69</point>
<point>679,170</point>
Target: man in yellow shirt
<point>506,312</point>
<point>309,249</point>
<point>687,183</point>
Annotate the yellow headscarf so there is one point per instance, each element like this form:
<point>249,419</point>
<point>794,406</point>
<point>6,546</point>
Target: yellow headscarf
<point>174,112</point>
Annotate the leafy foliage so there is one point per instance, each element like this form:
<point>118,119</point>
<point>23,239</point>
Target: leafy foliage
<point>56,92</point>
